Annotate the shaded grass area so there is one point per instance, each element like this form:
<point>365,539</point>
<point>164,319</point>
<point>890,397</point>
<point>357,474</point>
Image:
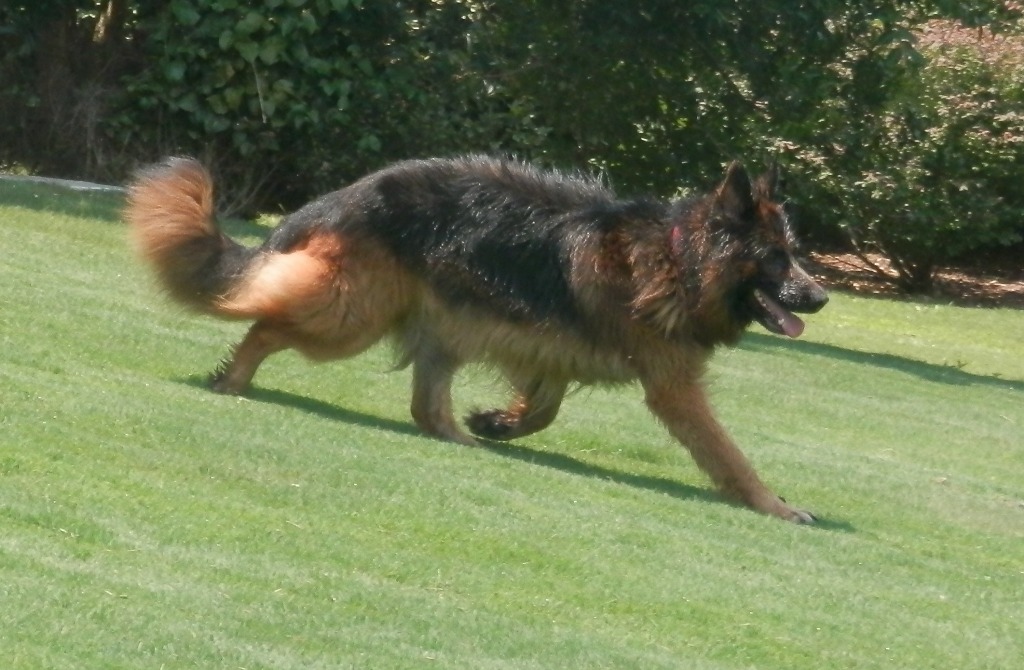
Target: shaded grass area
<point>147,522</point>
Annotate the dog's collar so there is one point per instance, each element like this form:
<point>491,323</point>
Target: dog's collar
<point>675,240</point>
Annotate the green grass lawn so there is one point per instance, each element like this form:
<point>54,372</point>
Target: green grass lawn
<point>148,523</point>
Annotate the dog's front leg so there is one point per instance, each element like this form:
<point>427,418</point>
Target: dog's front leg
<point>685,410</point>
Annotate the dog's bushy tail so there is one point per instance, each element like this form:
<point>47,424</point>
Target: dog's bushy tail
<point>171,221</point>
<point>170,213</point>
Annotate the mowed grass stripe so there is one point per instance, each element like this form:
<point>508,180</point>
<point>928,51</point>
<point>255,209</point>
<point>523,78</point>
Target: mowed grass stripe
<point>147,522</point>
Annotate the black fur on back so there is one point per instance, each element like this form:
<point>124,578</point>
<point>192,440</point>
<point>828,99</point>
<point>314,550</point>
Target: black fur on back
<point>494,234</point>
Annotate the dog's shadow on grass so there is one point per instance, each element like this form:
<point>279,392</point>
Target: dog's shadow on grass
<point>943,374</point>
<point>671,487</point>
<point>574,466</point>
<point>317,407</point>
<point>515,451</point>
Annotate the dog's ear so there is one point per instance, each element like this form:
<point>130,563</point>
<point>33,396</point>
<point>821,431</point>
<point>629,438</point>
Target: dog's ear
<point>735,195</point>
<point>767,186</point>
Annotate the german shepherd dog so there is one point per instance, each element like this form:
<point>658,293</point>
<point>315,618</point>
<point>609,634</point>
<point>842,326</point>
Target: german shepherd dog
<point>546,276</point>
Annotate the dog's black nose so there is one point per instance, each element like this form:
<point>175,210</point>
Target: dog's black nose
<point>818,300</point>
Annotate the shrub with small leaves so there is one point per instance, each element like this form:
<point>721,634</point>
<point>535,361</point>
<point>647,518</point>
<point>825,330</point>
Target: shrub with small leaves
<point>936,176</point>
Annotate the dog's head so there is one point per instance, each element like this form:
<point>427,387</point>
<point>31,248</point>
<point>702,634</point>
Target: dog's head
<point>767,283</point>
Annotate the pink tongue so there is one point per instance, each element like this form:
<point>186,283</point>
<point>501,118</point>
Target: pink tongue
<point>791,324</point>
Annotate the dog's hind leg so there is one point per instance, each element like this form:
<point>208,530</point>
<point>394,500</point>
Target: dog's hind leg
<point>328,300</point>
<point>533,408</point>
<point>433,369</point>
<point>235,373</point>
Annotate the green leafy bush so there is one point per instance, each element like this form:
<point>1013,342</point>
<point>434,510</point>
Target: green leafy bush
<point>915,157</point>
<point>936,175</point>
<point>284,99</point>
<point>288,96</point>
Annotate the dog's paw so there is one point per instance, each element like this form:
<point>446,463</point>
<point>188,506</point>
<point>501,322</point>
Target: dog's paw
<point>790,513</point>
<point>773,505</point>
<point>219,382</point>
<point>494,424</point>
<point>801,516</point>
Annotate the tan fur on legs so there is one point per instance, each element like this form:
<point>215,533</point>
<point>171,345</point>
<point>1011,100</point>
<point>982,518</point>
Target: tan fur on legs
<point>684,409</point>
<point>432,371</point>
<point>533,408</point>
<point>328,299</point>
<point>234,374</point>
